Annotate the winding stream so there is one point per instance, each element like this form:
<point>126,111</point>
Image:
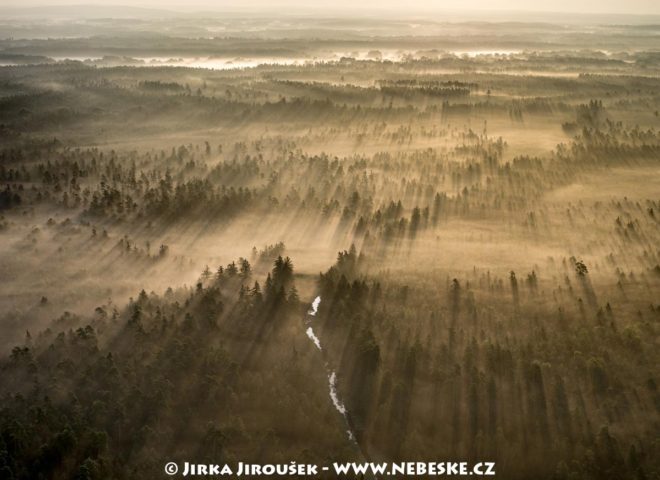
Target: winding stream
<point>331,374</point>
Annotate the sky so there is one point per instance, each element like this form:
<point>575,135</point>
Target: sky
<point>633,7</point>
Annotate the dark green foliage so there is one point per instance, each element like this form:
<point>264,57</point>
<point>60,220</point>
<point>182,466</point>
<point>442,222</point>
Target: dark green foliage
<point>165,381</point>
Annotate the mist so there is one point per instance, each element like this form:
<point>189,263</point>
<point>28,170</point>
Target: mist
<point>296,235</point>
<point>636,7</point>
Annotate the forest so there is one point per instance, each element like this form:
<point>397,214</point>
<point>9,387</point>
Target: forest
<point>321,240</point>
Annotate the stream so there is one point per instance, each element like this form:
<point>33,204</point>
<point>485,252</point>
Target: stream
<point>331,374</point>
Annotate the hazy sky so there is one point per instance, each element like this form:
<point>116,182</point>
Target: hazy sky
<point>635,7</point>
